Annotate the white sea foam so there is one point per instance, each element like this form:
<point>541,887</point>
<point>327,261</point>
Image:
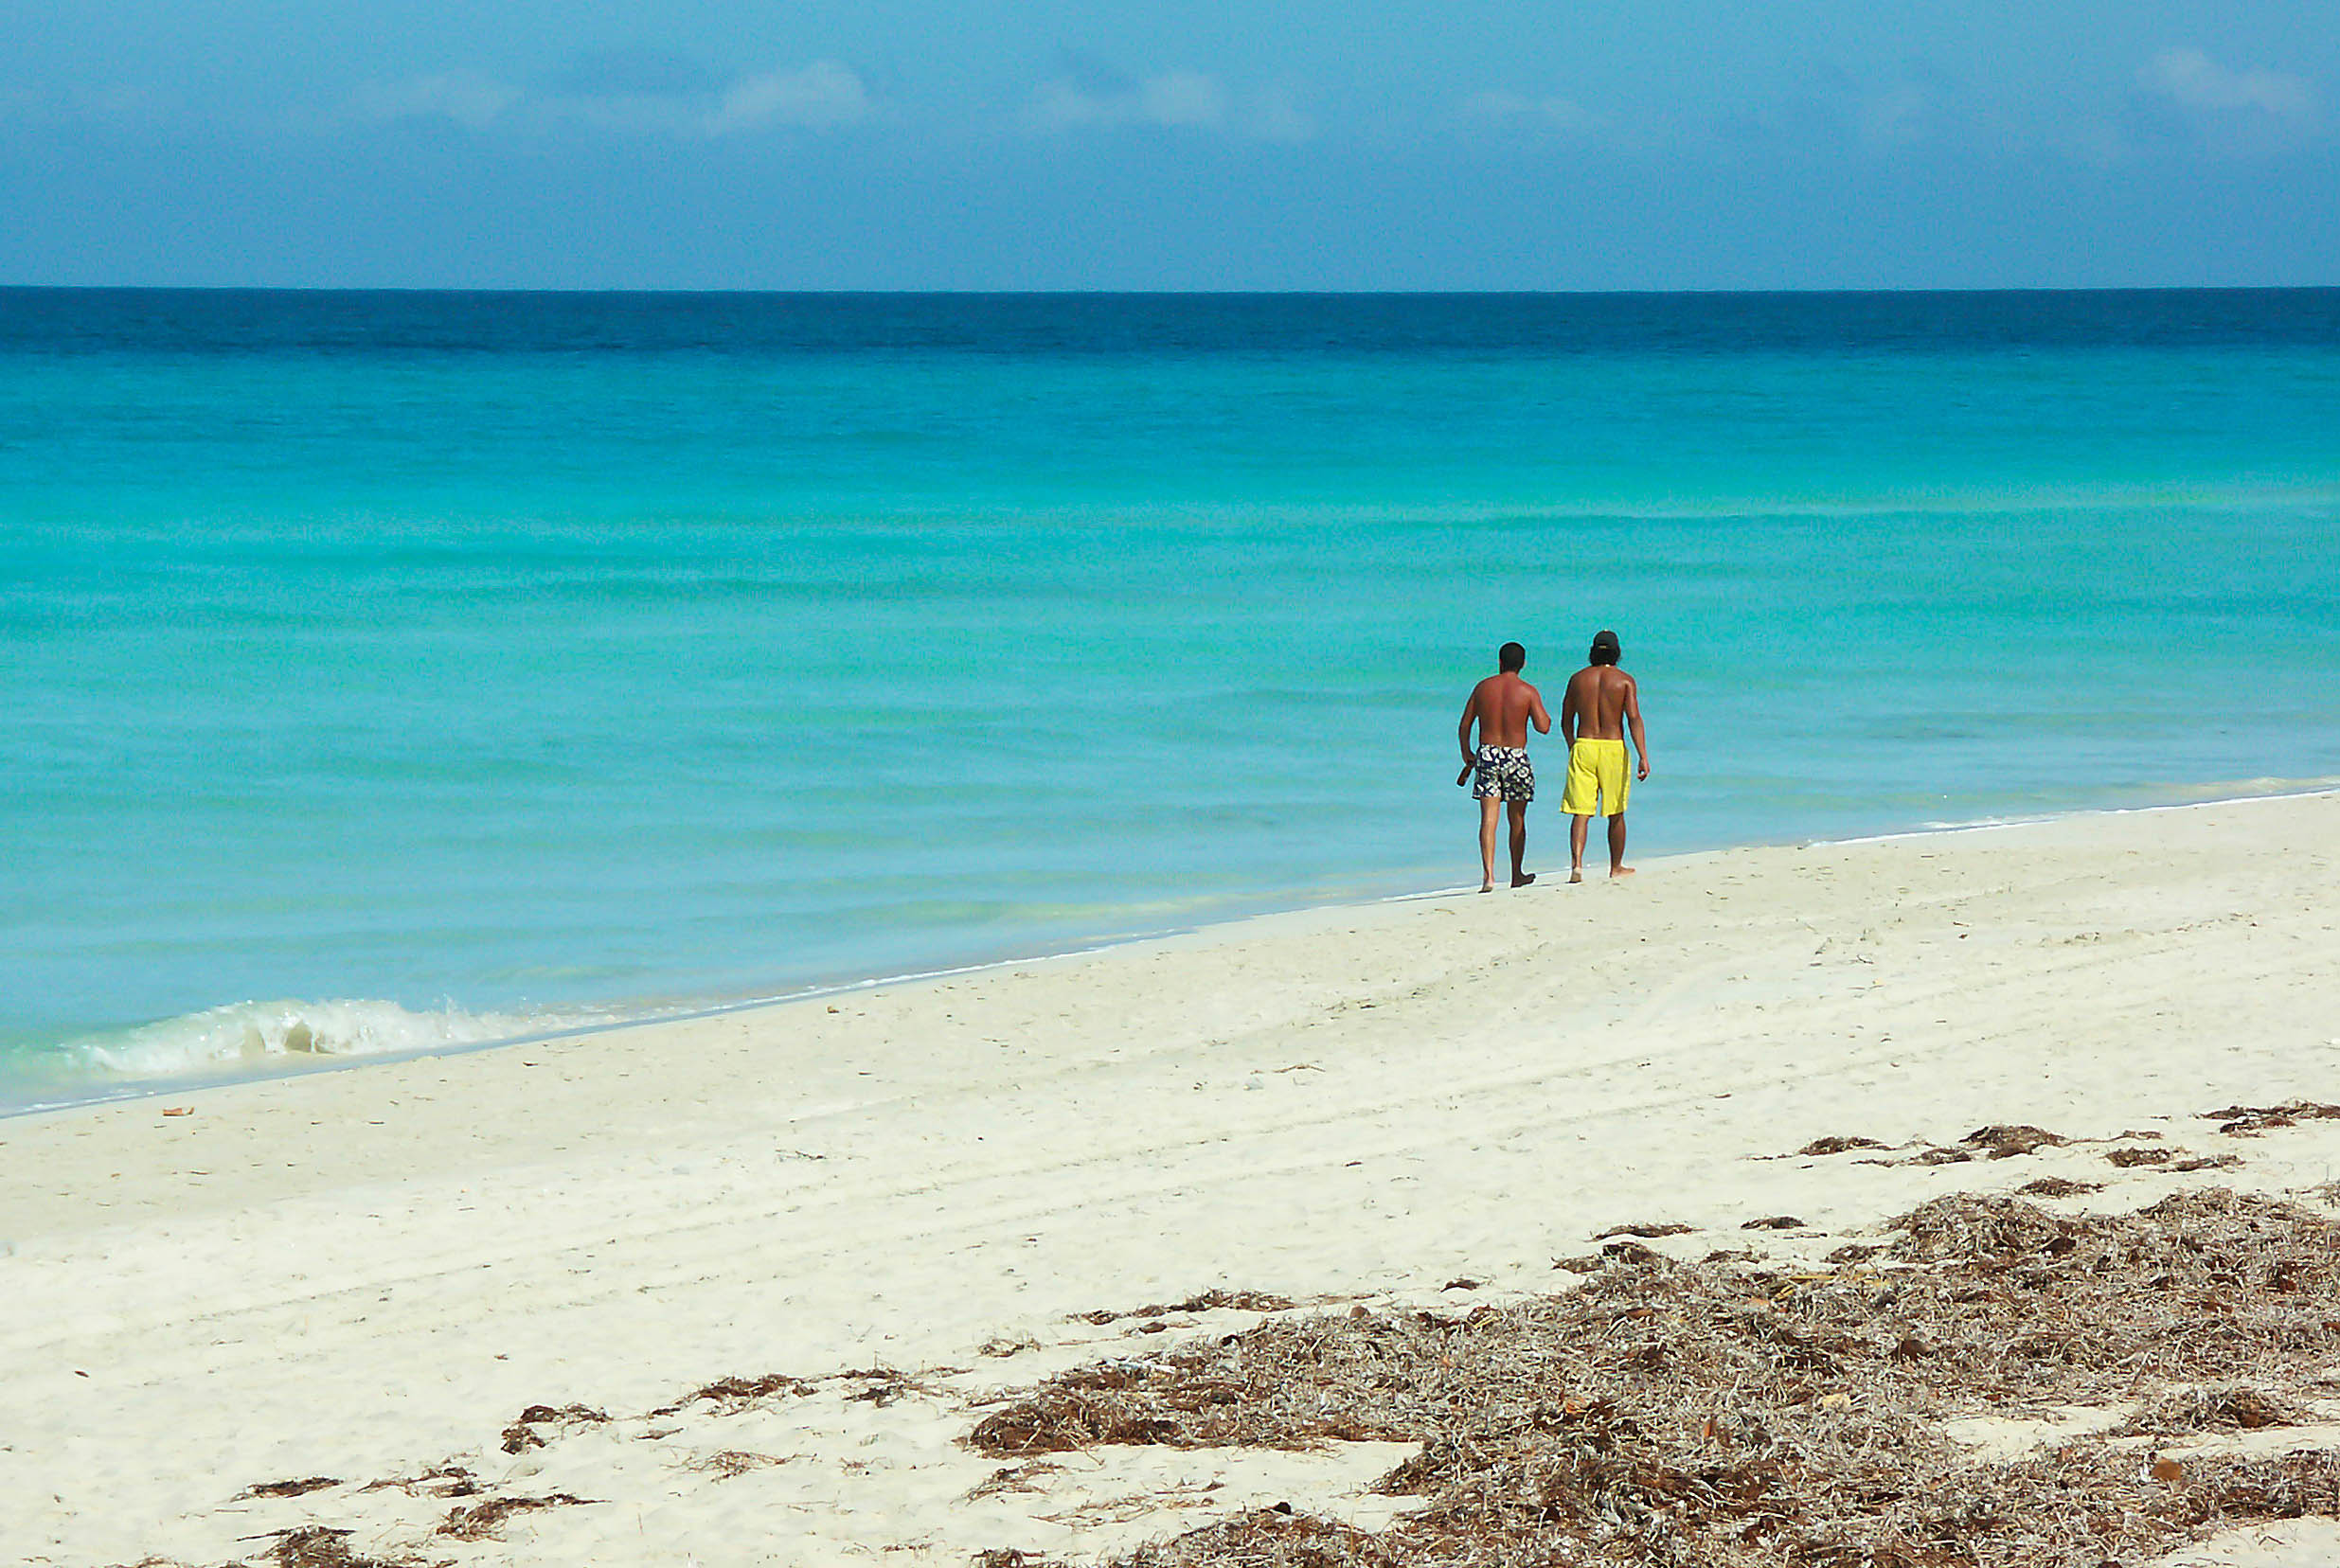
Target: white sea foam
<point>246,1035</point>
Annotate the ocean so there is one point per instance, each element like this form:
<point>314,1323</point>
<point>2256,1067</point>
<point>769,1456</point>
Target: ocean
<point>396,672</point>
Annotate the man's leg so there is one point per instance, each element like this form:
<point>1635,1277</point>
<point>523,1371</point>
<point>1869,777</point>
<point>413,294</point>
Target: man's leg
<point>1578,826</point>
<point>1519,841</point>
<point>1617,847</point>
<point>1489,808</point>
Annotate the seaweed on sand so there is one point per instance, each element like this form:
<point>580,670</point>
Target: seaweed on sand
<point>1691,1414</point>
<point>1242,1301</point>
<point>317,1546</point>
<point>479,1520</point>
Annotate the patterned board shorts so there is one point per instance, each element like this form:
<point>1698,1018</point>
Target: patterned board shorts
<point>1503,774</point>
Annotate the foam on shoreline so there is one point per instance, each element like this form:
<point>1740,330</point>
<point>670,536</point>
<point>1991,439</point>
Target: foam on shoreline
<point>247,1041</point>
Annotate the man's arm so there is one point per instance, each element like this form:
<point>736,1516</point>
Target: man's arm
<point>1633,722</point>
<point>1569,713</point>
<point>1463,735</point>
<point>1536,712</point>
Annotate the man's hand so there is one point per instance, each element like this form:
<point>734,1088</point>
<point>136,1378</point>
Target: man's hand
<point>1463,777</point>
<point>1643,770</point>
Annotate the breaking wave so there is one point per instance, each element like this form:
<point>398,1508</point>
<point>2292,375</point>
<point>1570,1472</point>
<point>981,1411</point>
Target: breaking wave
<point>245,1036</point>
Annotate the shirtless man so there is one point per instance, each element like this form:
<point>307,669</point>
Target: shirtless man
<point>1603,700</point>
<point>1502,705</point>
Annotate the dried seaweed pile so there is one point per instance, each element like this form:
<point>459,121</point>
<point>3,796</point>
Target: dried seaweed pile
<point>1677,1413</point>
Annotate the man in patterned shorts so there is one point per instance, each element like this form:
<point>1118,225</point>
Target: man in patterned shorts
<point>1502,706</point>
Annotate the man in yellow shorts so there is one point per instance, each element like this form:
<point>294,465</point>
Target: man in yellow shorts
<point>1601,702</point>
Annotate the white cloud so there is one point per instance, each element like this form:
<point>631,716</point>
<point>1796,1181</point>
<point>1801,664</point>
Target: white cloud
<point>1899,116</point>
<point>1187,101</point>
<point>466,98</point>
<point>1275,118</point>
<point>1183,97</point>
<point>822,94</point>
<point>2194,81</point>
<point>1552,111</point>
<point>817,96</point>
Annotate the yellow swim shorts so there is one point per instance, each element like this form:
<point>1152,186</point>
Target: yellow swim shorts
<point>1597,779</point>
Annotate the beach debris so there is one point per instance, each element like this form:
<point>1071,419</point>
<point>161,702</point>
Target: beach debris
<point>446,1480</point>
<point>1587,1263</point>
<point>1644,1230</point>
<point>522,1435</point>
<point>1012,1478</point>
<point>2245,1121</point>
<point>1239,1301</point>
<point>178,1110</point>
<point>1937,1154</point>
<point>321,1547</point>
<point>289,1488</point>
<point>1837,1145</point>
<point>480,1521</point>
<point>2126,1158</point>
<point>732,1395</point>
<point>2235,1407</point>
<point>883,1385</point>
<point>2057,1186</point>
<point>730,1464</point>
<point>2002,1141</point>
<point>2208,1162</point>
<point>1680,1414</point>
<point>1001,1346</point>
<point>1775,1222</point>
<point>1462,1284</point>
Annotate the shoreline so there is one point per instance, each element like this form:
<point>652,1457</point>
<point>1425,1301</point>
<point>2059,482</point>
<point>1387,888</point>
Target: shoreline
<point>318,1277</point>
<point>290,1065</point>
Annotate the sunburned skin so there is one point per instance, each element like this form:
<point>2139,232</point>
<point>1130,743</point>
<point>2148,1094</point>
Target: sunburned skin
<point>1602,704</point>
<point>1502,706</point>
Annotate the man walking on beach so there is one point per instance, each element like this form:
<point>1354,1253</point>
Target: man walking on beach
<point>1502,705</point>
<point>1601,702</point>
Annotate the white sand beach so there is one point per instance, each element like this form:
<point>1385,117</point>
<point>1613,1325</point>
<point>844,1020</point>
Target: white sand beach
<point>367,1275</point>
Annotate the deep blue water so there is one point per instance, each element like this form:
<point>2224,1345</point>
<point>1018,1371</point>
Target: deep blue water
<point>399,667</point>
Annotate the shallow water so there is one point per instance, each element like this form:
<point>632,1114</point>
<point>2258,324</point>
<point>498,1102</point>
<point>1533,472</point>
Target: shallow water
<point>490,663</point>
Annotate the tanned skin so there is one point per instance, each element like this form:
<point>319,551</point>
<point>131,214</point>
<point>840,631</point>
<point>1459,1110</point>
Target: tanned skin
<point>1601,702</point>
<point>1502,706</point>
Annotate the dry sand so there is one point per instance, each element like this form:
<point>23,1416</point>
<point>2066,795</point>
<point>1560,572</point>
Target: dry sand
<point>368,1276</point>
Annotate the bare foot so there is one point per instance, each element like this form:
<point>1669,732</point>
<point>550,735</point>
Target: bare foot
<point>1488,888</point>
<point>1620,870</point>
<point>1523,879</point>
<point>1575,876</point>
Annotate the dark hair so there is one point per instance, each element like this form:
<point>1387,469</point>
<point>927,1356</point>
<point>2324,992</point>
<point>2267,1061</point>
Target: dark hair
<point>1510,657</point>
<point>1604,649</point>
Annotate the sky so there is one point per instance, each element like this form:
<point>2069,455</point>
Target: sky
<point>1110,144</point>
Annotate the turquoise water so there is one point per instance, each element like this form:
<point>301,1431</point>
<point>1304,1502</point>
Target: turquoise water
<point>386,672</point>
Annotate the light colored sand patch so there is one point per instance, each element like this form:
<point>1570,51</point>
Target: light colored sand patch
<point>2291,1543</point>
<point>361,1273</point>
<point>2304,1437</point>
<point>2003,1439</point>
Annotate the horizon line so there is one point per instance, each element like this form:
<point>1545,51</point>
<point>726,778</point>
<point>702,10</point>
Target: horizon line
<point>1168,293</point>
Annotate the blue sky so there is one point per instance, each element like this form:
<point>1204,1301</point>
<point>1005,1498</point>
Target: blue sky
<point>909,144</point>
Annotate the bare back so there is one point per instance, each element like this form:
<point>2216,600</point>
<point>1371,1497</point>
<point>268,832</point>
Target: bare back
<point>1601,698</point>
<point>1503,705</point>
